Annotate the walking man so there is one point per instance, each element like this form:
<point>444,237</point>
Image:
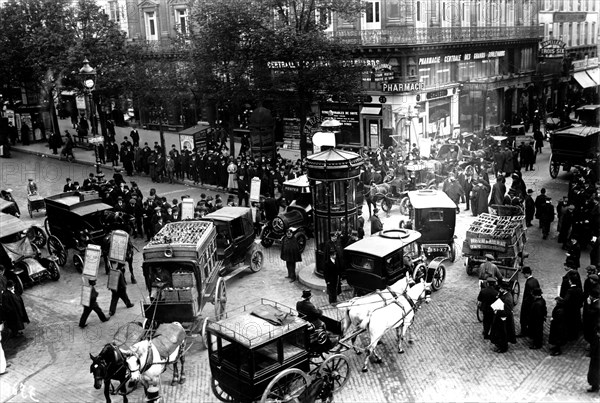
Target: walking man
<point>486,298</point>
<point>537,317</point>
<point>93,306</point>
<point>120,292</point>
<point>531,284</point>
<point>290,253</point>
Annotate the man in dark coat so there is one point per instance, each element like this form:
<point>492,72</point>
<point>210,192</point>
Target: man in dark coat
<point>593,330</point>
<point>271,207</point>
<point>486,298</point>
<point>13,310</point>
<point>93,306</point>
<point>455,192</point>
<point>546,216</point>
<point>479,199</point>
<point>573,302</point>
<point>503,324</point>
<point>243,190</point>
<point>539,202</point>
<point>120,292</point>
<point>332,274</point>
<point>135,136</point>
<point>531,283</point>
<point>537,317</point>
<point>376,224</point>
<point>290,253</point>
<point>311,313</point>
<point>498,191</point>
<point>529,208</point>
<point>25,132</point>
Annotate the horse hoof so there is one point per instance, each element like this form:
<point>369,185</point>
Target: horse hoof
<point>182,381</point>
<point>378,361</point>
<point>358,352</point>
<point>364,369</point>
<point>410,342</point>
<point>173,382</point>
<point>400,351</point>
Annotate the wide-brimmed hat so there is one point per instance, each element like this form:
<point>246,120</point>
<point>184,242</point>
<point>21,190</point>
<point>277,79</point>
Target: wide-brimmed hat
<point>489,256</point>
<point>306,294</point>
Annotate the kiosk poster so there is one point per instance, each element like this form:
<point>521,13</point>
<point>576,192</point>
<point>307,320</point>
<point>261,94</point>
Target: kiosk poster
<point>92,261</point>
<point>255,189</point>
<point>118,246</point>
<point>187,209</point>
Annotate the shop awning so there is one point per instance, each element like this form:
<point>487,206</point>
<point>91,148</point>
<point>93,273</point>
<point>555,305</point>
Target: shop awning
<point>584,80</point>
<point>594,75</point>
<point>370,110</point>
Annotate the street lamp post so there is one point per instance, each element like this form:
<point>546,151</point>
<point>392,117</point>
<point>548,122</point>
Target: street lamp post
<point>88,77</point>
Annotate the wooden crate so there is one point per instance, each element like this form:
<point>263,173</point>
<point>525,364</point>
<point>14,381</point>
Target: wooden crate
<point>170,295</point>
<point>188,294</point>
<point>183,280</point>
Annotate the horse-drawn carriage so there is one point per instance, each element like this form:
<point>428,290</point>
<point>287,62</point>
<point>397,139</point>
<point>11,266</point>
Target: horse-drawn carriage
<point>503,237</point>
<point>575,145</point>
<point>265,351</point>
<point>20,253</point>
<point>298,215</point>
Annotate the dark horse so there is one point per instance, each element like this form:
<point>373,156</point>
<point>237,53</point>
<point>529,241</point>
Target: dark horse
<point>110,365</point>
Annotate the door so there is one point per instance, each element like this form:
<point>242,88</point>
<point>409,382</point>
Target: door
<point>372,131</point>
<point>372,16</point>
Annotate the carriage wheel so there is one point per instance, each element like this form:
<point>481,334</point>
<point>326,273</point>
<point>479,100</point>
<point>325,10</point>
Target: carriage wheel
<point>47,226</point>
<point>479,313</point>
<point>453,252</point>
<point>37,236</point>
<point>219,392</point>
<point>337,369</point>
<point>515,291</point>
<point>287,386</point>
<point>78,263</point>
<point>10,275</point>
<point>301,238</point>
<point>420,272</point>
<point>468,266</point>
<point>265,240</point>
<point>53,271</point>
<point>55,247</point>
<point>404,203</point>
<point>386,204</point>
<point>439,275</point>
<point>204,334</point>
<point>256,261</point>
<point>553,167</point>
<point>220,297</point>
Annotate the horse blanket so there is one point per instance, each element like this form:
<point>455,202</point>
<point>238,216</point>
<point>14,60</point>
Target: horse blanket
<point>167,338</point>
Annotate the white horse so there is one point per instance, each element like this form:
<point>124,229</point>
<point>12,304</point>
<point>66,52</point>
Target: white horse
<point>358,310</point>
<point>398,314</point>
<point>146,364</point>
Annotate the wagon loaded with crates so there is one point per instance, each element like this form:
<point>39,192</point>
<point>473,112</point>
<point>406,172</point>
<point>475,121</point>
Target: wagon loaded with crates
<point>503,237</point>
<point>183,272</point>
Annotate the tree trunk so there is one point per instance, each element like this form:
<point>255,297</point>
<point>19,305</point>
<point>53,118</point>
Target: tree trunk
<point>53,116</point>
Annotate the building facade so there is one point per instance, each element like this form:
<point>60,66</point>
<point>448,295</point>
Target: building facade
<point>436,67</point>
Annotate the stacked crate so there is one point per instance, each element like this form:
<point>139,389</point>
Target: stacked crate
<point>492,232</point>
<point>180,233</point>
<point>184,290</point>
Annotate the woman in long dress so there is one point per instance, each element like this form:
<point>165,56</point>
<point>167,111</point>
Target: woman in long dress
<point>232,176</point>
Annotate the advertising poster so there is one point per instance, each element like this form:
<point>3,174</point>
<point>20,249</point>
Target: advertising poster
<point>91,262</point>
<point>255,189</point>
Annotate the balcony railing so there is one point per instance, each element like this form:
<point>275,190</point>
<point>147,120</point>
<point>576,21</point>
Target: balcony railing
<point>423,36</point>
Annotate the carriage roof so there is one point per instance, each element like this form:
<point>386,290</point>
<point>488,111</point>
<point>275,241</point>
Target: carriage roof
<point>299,184</point>
<point>430,198</point>
<point>10,225</point>
<point>579,131</point>
<point>5,204</point>
<point>381,245</point>
<point>228,213</point>
<point>80,203</point>
<point>243,327</point>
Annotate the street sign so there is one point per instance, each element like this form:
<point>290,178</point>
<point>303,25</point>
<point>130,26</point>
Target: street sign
<point>96,139</point>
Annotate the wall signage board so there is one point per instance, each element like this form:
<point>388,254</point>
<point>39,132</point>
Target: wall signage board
<point>568,17</point>
<point>402,87</point>
<point>461,57</point>
<point>552,48</point>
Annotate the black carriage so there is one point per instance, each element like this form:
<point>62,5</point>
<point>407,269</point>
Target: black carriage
<point>298,215</point>
<point>236,242</point>
<point>265,351</point>
<point>182,273</point>
<point>20,253</point>
<point>575,145</point>
<point>73,220</point>
<point>378,261</point>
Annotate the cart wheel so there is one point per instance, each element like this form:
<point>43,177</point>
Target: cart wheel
<point>468,266</point>
<point>37,236</point>
<point>256,261</point>
<point>10,275</point>
<point>30,210</point>
<point>287,386</point>
<point>220,298</point>
<point>404,203</point>
<point>420,272</point>
<point>553,167</point>
<point>439,275</point>
<point>301,238</point>
<point>78,263</point>
<point>218,392</point>
<point>204,334</point>
<point>479,314</point>
<point>515,291</point>
<point>336,369</point>
<point>47,226</point>
<point>55,247</point>
<point>54,271</point>
<point>265,240</point>
<point>386,204</point>
<point>453,252</point>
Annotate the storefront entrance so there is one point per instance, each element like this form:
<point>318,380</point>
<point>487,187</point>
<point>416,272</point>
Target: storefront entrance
<point>371,128</point>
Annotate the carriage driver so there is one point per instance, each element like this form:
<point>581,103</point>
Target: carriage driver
<point>309,310</point>
<point>489,269</point>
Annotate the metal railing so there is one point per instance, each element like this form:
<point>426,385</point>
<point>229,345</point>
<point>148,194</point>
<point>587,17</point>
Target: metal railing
<point>418,36</point>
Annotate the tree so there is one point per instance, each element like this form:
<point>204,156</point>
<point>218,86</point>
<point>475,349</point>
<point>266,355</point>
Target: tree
<point>234,42</point>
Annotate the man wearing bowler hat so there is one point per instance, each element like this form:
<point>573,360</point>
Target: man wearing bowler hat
<point>376,224</point>
<point>309,310</point>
